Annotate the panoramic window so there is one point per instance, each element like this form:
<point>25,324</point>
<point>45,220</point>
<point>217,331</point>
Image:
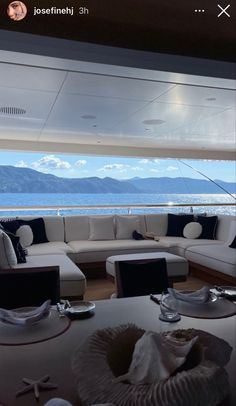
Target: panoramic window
<point>124,185</point>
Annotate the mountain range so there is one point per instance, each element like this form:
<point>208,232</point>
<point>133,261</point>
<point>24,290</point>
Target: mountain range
<point>26,180</point>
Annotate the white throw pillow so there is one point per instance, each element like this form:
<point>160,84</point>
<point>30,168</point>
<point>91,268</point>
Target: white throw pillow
<point>7,254</point>
<point>101,228</point>
<point>192,230</point>
<point>26,236</point>
<point>125,226</point>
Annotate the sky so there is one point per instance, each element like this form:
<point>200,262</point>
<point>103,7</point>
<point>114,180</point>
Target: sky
<point>76,166</point>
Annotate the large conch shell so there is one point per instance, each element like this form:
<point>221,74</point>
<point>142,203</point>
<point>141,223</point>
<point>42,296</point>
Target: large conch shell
<point>156,357</point>
<point>103,357</point>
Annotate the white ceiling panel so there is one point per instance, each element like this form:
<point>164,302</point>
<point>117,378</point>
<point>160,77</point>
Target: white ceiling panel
<point>72,112</point>
<point>72,109</point>
<point>37,105</point>
<point>26,77</point>
<point>114,87</point>
<point>173,117</point>
<point>217,125</point>
<point>199,96</point>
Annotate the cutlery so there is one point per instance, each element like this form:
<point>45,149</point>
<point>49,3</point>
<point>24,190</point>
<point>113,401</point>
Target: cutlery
<point>219,289</point>
<point>154,299</point>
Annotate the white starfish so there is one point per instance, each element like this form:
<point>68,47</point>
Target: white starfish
<point>40,383</point>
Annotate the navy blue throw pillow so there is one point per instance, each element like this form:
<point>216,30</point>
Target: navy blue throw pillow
<point>209,225</point>
<point>233,243</point>
<point>19,250</point>
<point>38,228</point>
<point>10,225</point>
<point>176,224</point>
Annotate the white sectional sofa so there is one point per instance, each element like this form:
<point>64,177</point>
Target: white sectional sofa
<point>212,258</point>
<point>82,240</point>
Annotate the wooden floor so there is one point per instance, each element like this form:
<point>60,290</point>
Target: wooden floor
<point>103,288</point>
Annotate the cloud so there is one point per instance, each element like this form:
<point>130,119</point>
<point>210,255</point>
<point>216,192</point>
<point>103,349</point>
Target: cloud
<point>21,164</point>
<point>51,162</point>
<point>144,161</point>
<point>149,161</point>
<point>80,163</point>
<point>136,168</point>
<point>110,167</point>
<point>171,168</point>
<point>154,170</point>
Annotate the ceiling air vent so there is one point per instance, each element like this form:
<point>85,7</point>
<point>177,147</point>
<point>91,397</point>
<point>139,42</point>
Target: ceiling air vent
<point>12,111</point>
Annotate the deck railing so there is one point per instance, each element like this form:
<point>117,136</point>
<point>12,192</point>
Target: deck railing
<point>224,208</point>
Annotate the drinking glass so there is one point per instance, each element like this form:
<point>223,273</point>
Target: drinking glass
<point>169,308</point>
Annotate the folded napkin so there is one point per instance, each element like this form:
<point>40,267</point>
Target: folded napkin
<point>156,357</point>
<point>25,318</point>
<point>199,296</point>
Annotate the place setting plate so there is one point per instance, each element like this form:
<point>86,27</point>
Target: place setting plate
<point>80,309</point>
<point>49,326</point>
<point>215,307</point>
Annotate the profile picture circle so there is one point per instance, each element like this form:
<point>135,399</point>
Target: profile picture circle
<point>16,10</point>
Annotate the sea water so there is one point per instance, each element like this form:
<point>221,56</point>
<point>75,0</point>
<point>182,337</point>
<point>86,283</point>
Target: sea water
<point>78,199</point>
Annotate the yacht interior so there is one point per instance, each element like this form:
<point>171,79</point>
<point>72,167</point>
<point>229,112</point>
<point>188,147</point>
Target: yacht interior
<point>63,95</point>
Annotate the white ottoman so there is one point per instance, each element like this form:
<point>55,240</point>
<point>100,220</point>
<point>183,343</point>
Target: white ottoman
<point>177,267</point>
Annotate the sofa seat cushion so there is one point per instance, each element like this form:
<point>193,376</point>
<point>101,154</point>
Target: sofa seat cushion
<point>215,256</point>
<point>95,251</point>
<point>48,248</point>
<point>178,245</point>
<point>72,280</point>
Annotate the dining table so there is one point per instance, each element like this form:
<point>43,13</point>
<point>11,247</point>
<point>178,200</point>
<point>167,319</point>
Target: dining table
<point>51,354</point>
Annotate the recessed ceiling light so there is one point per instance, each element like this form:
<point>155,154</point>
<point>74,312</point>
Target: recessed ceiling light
<point>153,122</point>
<point>210,98</point>
<point>88,117</point>
<point>12,111</point>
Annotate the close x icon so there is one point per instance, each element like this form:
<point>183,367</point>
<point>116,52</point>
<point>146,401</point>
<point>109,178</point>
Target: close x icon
<point>223,11</point>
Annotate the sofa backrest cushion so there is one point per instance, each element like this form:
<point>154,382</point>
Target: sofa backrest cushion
<point>232,232</point>
<point>101,228</point>
<point>54,227</point>
<point>126,225</point>
<point>7,254</point>
<point>76,228</point>
<point>156,223</point>
<point>223,232</point>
